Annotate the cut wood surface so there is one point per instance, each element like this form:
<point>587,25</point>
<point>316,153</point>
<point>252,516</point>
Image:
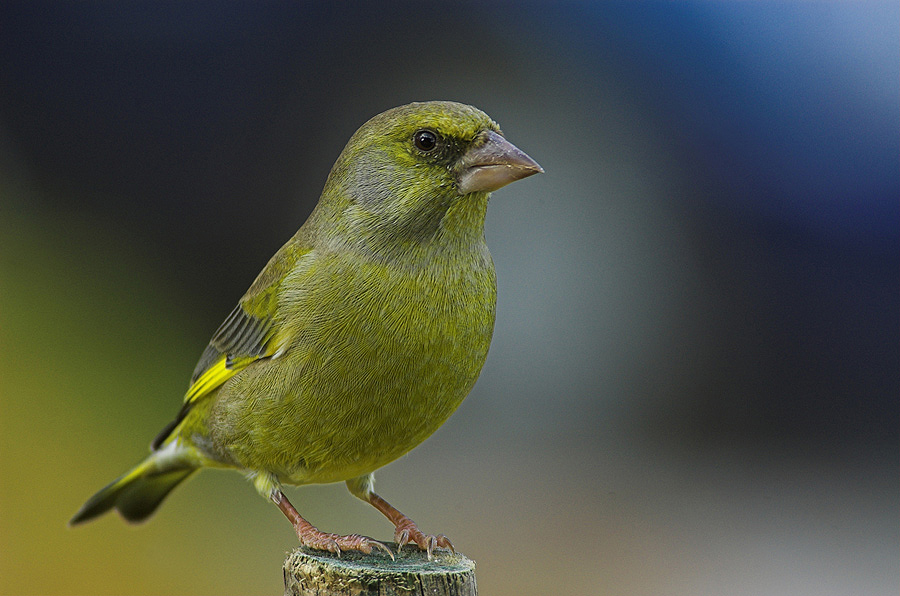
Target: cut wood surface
<point>316,573</point>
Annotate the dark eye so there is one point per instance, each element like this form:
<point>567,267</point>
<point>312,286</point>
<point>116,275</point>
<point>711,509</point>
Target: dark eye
<point>425,140</point>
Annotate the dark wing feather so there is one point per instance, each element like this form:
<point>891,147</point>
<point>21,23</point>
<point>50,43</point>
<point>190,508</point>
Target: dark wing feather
<point>240,335</point>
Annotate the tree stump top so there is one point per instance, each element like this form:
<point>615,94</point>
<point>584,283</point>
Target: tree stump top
<point>316,573</point>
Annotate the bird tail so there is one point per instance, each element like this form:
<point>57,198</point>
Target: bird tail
<point>137,494</point>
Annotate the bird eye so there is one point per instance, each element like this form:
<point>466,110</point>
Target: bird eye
<point>425,140</point>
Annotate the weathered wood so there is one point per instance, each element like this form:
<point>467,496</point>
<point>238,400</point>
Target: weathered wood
<point>316,573</point>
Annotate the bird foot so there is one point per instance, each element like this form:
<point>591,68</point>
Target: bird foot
<point>407,532</point>
<point>335,543</point>
<point>312,537</point>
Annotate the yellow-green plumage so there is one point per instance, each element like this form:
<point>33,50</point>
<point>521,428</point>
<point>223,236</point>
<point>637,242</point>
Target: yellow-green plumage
<point>365,331</point>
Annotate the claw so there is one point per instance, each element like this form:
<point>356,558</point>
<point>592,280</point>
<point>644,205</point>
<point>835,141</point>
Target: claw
<point>401,538</point>
<point>444,542</point>
<point>381,546</point>
<point>333,546</point>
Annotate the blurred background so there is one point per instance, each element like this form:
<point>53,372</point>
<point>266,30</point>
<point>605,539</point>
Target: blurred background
<point>693,385</point>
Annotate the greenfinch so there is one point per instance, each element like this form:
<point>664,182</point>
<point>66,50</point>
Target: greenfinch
<point>359,338</point>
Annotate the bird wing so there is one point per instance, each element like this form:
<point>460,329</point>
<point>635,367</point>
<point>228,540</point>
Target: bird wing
<point>248,334</point>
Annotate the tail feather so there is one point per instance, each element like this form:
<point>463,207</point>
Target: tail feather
<point>137,494</point>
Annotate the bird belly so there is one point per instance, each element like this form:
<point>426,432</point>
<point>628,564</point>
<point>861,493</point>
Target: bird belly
<point>364,385</point>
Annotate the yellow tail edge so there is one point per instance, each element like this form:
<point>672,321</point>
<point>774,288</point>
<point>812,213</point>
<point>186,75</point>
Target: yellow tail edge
<point>137,494</point>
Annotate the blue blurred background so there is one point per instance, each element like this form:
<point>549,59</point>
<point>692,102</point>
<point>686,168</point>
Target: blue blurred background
<point>693,385</point>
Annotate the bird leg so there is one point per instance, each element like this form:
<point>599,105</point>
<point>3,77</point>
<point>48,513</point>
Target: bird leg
<point>406,530</point>
<point>312,537</point>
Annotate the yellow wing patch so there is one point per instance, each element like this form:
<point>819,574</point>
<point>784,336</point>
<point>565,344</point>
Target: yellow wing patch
<point>219,372</point>
<point>214,376</point>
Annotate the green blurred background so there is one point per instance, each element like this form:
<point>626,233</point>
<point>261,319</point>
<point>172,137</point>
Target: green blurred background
<point>694,377</point>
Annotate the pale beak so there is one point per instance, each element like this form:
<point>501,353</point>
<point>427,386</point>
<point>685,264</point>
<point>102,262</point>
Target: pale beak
<point>493,164</point>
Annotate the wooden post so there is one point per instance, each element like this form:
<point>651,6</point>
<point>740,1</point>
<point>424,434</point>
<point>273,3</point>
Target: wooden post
<point>317,573</point>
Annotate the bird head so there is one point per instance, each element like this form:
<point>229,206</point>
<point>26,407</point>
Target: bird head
<point>406,169</point>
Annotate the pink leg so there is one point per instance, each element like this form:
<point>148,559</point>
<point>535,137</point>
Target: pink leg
<point>313,538</point>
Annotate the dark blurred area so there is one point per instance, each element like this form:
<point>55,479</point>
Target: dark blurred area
<point>699,302</point>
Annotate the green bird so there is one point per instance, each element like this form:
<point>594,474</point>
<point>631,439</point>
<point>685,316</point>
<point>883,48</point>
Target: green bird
<point>359,338</point>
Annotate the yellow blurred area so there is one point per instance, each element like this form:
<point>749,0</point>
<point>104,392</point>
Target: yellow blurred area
<point>95,355</point>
